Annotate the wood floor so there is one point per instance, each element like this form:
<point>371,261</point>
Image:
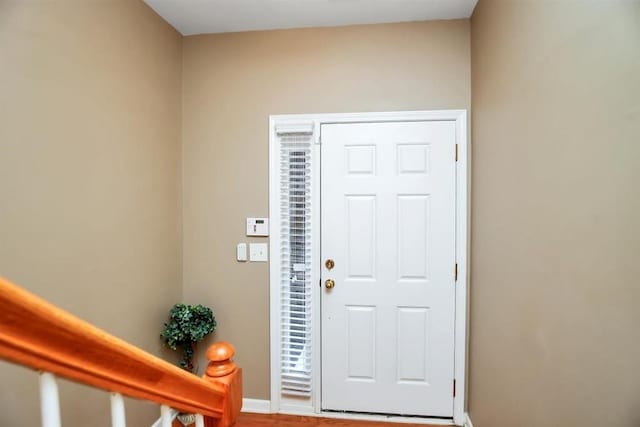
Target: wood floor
<point>276,420</point>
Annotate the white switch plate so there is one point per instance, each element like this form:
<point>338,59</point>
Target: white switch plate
<point>241,252</point>
<point>258,252</point>
<point>258,227</point>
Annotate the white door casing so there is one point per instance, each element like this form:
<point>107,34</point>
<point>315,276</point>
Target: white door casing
<point>280,125</point>
<point>388,223</point>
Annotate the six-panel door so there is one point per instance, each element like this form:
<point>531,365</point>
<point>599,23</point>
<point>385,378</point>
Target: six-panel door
<point>388,224</point>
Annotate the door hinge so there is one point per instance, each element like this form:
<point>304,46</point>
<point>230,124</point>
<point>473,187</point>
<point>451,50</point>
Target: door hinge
<point>456,152</point>
<point>455,273</point>
<point>454,388</point>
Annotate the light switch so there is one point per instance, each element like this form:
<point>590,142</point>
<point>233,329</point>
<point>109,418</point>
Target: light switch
<point>258,252</point>
<point>241,252</point>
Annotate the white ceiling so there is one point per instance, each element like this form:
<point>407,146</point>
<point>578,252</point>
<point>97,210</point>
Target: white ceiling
<point>221,16</point>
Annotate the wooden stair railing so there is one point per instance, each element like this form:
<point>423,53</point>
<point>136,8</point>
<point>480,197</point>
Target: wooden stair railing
<point>38,335</point>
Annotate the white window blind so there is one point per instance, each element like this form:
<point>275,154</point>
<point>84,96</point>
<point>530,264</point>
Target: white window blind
<point>295,274</point>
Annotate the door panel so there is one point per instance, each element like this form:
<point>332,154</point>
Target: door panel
<point>361,339</point>
<point>388,222</point>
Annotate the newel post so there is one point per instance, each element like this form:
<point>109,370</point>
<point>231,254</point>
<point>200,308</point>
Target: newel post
<point>223,371</point>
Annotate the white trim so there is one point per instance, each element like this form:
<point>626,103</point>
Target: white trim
<point>316,359</point>
<point>274,266</point>
<point>305,128</point>
<point>462,252</point>
<point>300,409</point>
<point>256,406</point>
<point>467,420</point>
<point>313,406</point>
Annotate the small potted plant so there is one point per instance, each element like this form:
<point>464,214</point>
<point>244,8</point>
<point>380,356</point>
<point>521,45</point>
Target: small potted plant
<point>188,325</point>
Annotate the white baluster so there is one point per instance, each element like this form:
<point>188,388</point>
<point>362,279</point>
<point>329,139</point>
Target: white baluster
<point>117,410</point>
<point>49,400</point>
<point>199,420</point>
<point>165,415</point>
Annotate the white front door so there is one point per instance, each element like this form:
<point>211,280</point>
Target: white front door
<point>388,225</point>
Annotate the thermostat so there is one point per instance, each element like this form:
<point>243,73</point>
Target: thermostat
<point>257,226</point>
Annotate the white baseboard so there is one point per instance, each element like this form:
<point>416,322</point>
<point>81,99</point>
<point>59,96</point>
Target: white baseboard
<point>256,406</point>
<point>296,409</point>
<point>467,420</point>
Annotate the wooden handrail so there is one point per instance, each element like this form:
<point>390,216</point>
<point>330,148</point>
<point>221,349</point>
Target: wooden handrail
<point>36,334</point>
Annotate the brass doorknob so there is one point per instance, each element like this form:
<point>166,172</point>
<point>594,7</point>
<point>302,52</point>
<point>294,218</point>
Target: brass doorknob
<point>329,283</point>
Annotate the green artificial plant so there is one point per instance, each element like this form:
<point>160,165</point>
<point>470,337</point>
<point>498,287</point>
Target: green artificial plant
<point>188,325</point>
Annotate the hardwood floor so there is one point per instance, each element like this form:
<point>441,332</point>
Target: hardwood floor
<point>276,420</point>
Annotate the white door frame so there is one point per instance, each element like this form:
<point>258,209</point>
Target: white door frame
<point>312,406</point>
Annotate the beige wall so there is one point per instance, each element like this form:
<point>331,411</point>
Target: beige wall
<point>232,83</point>
<point>90,122</point>
<point>90,130</point>
<point>555,324</point>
